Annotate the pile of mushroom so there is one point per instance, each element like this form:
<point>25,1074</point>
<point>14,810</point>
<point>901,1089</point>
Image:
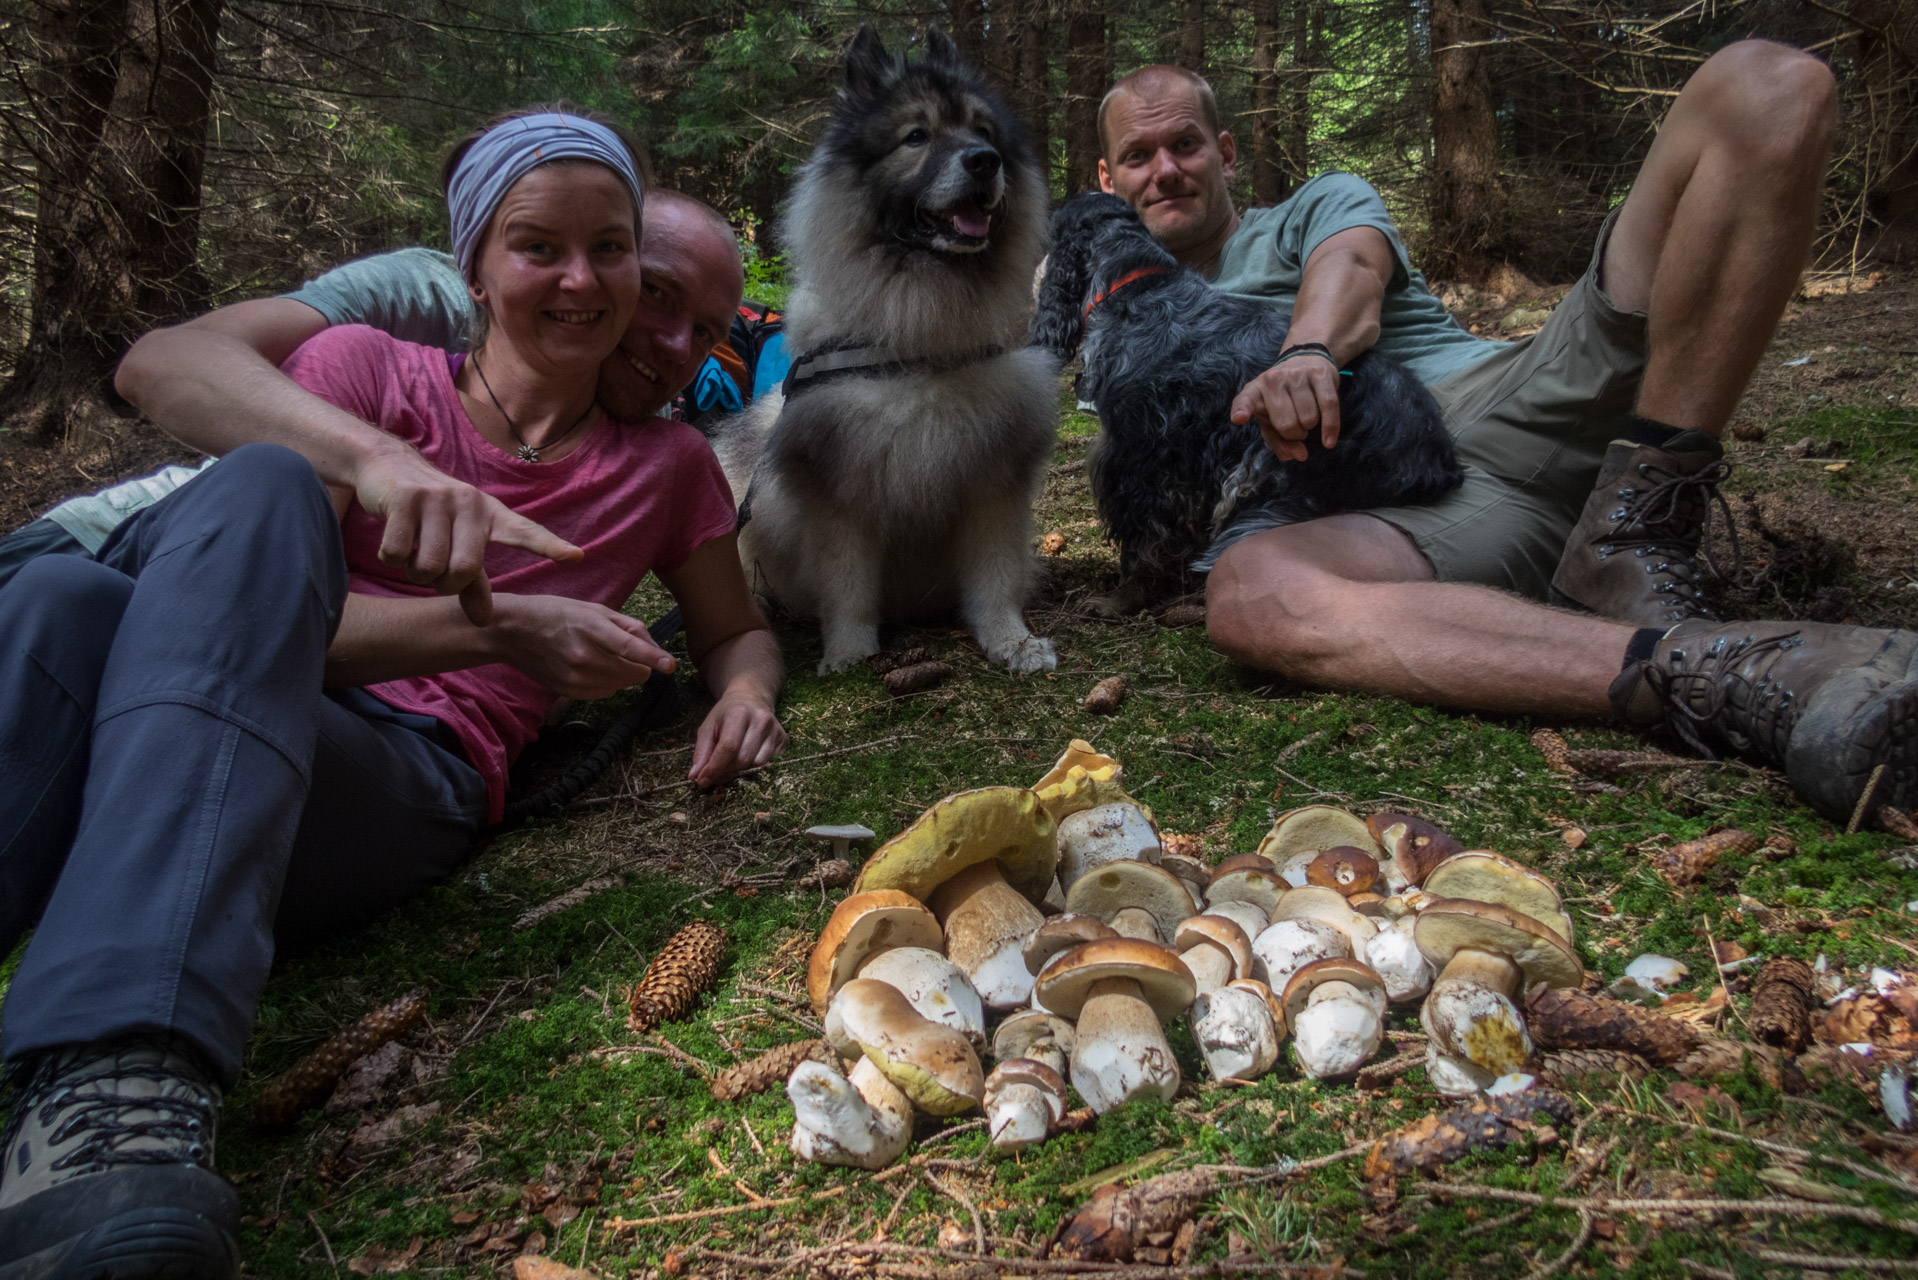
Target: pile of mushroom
<point>1057,912</point>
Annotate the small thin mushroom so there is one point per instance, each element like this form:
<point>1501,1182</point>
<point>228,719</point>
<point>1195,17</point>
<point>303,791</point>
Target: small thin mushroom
<point>841,837</point>
<point>1121,991</point>
<point>1488,957</point>
<point>1035,1034</point>
<point>937,988</point>
<point>1215,949</point>
<point>931,1063</point>
<point>1237,1031</point>
<point>1106,833</point>
<point>863,1122</point>
<point>1336,1011</point>
<point>1025,1101</point>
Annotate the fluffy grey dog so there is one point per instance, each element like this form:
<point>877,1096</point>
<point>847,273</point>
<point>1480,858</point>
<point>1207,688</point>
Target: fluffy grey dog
<point>894,477</point>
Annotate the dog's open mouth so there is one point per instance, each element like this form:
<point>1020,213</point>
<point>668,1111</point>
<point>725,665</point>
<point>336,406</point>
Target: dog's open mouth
<point>960,227</point>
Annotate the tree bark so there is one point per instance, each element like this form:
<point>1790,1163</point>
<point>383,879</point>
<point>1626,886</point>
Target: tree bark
<point>1192,35</point>
<point>1087,73</point>
<point>1266,138</point>
<point>967,19</point>
<point>1467,196</point>
<point>1035,95</point>
<point>1887,54</point>
<point>1305,19</point>
<point>124,104</point>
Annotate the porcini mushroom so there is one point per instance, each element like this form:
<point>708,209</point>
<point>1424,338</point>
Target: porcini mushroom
<point>980,859</point>
<point>1346,870</point>
<point>1138,899</point>
<point>1479,875</point>
<point>863,1122</point>
<point>1120,990</point>
<point>931,1063</point>
<point>1316,827</point>
<point>1328,906</point>
<point>1057,936</point>
<point>1395,956</point>
<point>935,986</point>
<point>1286,946</point>
<point>1025,1100</point>
<point>1247,915</point>
<point>1035,1034</point>
<point>1215,949</point>
<point>1335,1009</point>
<point>1243,883</point>
<point>1488,957</point>
<point>1105,833</point>
<point>841,837</point>
<point>1412,847</point>
<point>1238,1028</point>
<point>1082,779</point>
<point>1190,870</point>
<point>861,925</point>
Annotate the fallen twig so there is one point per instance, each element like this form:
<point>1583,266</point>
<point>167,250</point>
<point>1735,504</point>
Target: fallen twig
<point>1768,1144</point>
<point>812,1260</point>
<point>952,1191</point>
<point>1784,1208</point>
<point>1586,1221</point>
<point>1818,1262</point>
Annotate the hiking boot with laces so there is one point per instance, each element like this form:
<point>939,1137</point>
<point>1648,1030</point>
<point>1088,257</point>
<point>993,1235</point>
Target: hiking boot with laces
<point>108,1171</point>
<point>1830,704</point>
<point>1633,555</point>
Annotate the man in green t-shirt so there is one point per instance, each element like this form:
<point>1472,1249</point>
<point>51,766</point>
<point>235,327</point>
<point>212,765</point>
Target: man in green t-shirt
<point>1590,449</point>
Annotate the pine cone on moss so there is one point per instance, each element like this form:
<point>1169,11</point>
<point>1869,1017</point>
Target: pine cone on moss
<point>1567,1019</point>
<point>1686,864</point>
<point>1553,748</point>
<point>1602,763</point>
<point>684,967</point>
<point>1715,1059</point>
<point>770,1069</point>
<point>1782,997</point>
<point>1485,1123</point>
<point>307,1082</point>
<point>1575,1067</point>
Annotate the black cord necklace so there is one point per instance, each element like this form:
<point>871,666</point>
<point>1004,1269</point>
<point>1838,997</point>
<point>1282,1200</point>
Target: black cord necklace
<point>527,453</point>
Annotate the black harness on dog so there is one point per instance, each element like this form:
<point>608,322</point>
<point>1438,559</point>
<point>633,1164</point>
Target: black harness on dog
<point>842,359</point>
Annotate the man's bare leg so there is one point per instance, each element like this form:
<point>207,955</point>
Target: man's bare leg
<point>1714,236</point>
<point>1347,602</point>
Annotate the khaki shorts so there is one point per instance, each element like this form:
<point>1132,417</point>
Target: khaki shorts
<point>1532,422</point>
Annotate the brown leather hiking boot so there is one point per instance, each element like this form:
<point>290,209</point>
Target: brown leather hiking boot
<point>1633,555</point>
<point>1829,704</point>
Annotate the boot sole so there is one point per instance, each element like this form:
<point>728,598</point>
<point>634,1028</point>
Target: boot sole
<point>1886,733</point>
<point>146,1244</point>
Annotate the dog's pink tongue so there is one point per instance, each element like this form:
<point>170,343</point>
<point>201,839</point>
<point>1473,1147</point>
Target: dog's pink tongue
<point>972,224</point>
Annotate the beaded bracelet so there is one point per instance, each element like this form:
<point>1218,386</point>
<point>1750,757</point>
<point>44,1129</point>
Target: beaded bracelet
<point>1310,349</point>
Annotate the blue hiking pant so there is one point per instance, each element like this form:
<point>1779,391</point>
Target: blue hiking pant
<point>178,786</point>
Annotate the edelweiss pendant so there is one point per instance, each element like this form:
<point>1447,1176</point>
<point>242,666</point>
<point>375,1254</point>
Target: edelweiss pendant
<point>527,453</point>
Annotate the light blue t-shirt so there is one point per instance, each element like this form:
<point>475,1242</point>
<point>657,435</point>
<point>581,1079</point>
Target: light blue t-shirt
<point>1265,261</point>
<point>414,294</point>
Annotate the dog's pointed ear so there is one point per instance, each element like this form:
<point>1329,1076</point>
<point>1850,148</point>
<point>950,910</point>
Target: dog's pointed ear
<point>867,64</point>
<point>940,49</point>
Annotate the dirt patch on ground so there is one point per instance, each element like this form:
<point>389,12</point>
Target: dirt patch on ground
<point>35,475</point>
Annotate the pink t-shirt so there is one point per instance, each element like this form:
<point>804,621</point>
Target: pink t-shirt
<point>636,497</point>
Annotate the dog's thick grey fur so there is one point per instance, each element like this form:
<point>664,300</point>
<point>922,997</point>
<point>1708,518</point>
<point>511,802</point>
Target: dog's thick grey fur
<point>906,493</point>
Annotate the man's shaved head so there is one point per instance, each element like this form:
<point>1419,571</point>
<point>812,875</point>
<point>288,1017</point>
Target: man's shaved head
<point>1152,82</point>
<point>696,208</point>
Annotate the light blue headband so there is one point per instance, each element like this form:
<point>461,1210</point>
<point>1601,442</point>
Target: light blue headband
<point>506,153</point>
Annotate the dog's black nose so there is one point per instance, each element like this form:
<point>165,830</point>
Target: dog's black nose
<point>981,162</point>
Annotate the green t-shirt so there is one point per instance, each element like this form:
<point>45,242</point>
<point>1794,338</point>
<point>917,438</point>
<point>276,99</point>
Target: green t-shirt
<point>416,295</point>
<point>1265,261</point>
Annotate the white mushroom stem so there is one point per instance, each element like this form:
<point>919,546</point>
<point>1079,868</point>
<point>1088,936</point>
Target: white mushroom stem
<point>987,922</point>
<point>1211,965</point>
<point>1287,946</point>
<point>1133,922</point>
<point>863,1122</point>
<point>1396,958</point>
<point>1337,1031</point>
<point>1471,1018</point>
<point>1020,1117</point>
<point>1236,1033</point>
<point>1453,1077</point>
<point>1119,1051</point>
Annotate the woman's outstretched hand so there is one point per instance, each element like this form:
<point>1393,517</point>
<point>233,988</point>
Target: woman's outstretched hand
<point>576,648</point>
<point>740,732</point>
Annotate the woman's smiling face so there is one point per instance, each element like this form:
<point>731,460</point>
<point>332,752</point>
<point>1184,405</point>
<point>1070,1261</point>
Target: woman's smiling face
<point>558,269</point>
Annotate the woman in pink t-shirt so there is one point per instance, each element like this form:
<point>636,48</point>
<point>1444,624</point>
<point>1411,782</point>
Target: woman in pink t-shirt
<point>237,724</point>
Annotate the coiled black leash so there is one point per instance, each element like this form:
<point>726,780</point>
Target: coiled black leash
<point>657,703</point>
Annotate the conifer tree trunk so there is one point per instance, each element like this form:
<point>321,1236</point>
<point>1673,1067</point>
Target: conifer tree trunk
<point>1467,196</point>
<point>1304,26</point>
<point>1887,59</point>
<point>1034,81</point>
<point>1269,183</point>
<point>1192,35</point>
<point>1088,72</point>
<point>123,96</point>
<point>967,19</point>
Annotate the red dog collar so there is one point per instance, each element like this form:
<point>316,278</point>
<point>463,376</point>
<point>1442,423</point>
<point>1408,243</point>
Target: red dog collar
<point>1121,283</point>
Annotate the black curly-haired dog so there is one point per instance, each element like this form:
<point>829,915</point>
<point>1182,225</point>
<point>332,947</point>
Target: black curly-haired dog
<point>1175,479</point>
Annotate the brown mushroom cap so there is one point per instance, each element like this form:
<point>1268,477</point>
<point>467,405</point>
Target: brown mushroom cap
<point>1262,889</point>
<point>1111,887</point>
<point>860,925</point>
<point>1371,905</point>
<point>1451,925</point>
<point>1347,870</point>
<point>1018,1034</point>
<point>1244,861</point>
<point>1082,779</point>
<point>1315,902</point>
<point>1483,876</point>
<point>1316,827</point>
<point>1188,868</point>
<point>1062,933</point>
<point>1415,844</point>
<point>1220,932</point>
<point>1011,1071</point>
<point>1315,975</point>
<point>1006,824</point>
<point>1164,981</point>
